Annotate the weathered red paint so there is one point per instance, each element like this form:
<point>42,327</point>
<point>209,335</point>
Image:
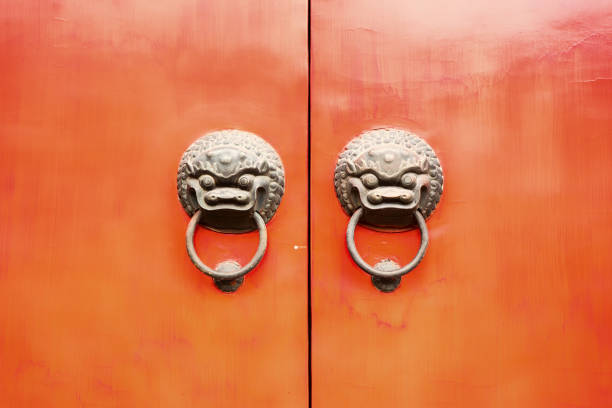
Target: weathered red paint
<point>511,305</point>
<point>99,303</point>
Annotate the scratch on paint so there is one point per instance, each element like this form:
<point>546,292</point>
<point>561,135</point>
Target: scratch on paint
<point>594,80</point>
<point>572,47</point>
<point>580,42</point>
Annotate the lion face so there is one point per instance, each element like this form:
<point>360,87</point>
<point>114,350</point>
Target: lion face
<point>385,177</point>
<point>229,175</point>
<point>390,173</point>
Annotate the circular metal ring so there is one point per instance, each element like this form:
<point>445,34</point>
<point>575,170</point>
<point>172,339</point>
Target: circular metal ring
<point>232,274</point>
<point>350,242</point>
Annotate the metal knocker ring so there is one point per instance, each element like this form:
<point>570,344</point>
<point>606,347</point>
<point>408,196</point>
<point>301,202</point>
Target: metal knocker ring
<point>386,275</point>
<point>229,275</point>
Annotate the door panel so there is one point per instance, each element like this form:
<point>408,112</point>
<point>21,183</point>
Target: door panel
<point>511,305</point>
<point>99,303</point>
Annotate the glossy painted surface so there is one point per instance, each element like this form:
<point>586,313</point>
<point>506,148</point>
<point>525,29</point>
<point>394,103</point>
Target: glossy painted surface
<point>99,303</point>
<point>511,306</point>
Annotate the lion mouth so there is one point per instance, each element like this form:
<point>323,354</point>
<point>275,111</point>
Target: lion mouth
<point>226,198</point>
<point>227,195</point>
<point>386,197</point>
<point>391,195</point>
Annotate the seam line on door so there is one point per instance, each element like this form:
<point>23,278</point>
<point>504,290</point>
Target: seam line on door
<point>308,219</point>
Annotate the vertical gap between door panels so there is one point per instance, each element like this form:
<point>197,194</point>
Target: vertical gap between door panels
<point>308,227</point>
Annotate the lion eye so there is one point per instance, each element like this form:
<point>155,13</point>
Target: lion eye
<point>408,180</point>
<point>207,181</point>
<point>369,180</point>
<point>245,181</point>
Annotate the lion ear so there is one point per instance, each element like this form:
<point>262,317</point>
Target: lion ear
<point>263,166</point>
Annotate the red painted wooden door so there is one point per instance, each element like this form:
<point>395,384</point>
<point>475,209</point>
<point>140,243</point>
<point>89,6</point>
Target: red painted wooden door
<point>511,305</point>
<point>99,303</point>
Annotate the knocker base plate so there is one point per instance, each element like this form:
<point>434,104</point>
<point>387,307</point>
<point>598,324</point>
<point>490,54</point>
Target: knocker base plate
<point>228,285</point>
<point>386,284</point>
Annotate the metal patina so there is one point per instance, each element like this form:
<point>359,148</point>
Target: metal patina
<point>390,173</point>
<point>229,174</point>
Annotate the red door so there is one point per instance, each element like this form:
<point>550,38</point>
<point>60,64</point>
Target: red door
<point>511,304</point>
<point>99,303</point>
<point>101,306</point>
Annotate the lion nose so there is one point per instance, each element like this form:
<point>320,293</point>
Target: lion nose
<point>386,194</point>
<point>227,195</point>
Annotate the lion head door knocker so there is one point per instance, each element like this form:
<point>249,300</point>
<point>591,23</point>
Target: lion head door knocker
<point>389,180</point>
<point>230,181</point>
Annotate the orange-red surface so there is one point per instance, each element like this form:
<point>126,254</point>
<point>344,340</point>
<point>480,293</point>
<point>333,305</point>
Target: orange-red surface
<point>512,305</point>
<point>99,303</point>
